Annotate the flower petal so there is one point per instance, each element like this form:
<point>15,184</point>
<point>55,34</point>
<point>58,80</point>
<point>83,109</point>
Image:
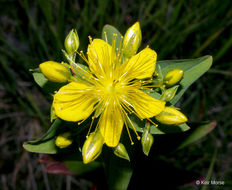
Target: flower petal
<point>111,124</point>
<point>74,102</point>
<point>99,57</point>
<point>142,65</point>
<point>144,105</point>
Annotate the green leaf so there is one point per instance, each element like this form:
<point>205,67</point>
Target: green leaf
<point>198,133</point>
<point>118,172</point>
<point>79,168</point>
<point>47,86</point>
<point>46,144</point>
<point>108,32</point>
<point>46,147</point>
<point>193,69</point>
<point>161,129</point>
<point>210,170</point>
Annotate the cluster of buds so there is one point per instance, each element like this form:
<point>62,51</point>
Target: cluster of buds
<point>60,72</point>
<point>171,115</point>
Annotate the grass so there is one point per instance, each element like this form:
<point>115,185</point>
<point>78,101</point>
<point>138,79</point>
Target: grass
<point>33,31</point>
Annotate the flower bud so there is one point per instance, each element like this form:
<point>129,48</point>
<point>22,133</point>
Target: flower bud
<point>63,141</point>
<point>71,42</point>
<point>147,140</point>
<point>92,147</point>
<point>121,152</point>
<point>132,40</point>
<point>169,94</point>
<point>173,77</point>
<point>171,116</point>
<point>55,72</point>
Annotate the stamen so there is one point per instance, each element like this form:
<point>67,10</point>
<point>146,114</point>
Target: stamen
<point>126,107</point>
<point>128,131</point>
<point>105,36</point>
<point>120,45</point>
<point>152,122</point>
<point>90,39</point>
<point>90,127</point>
<point>133,127</point>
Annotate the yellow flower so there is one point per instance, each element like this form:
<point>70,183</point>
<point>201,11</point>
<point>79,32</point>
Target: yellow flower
<point>110,89</point>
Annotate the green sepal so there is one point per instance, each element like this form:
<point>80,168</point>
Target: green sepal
<point>107,35</point>
<point>47,86</point>
<point>52,114</point>
<point>121,152</point>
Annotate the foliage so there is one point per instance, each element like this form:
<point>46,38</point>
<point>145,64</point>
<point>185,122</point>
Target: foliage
<point>193,69</point>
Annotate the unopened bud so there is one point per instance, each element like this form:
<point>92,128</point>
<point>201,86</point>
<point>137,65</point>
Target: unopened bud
<point>132,40</point>
<point>55,72</point>
<point>147,140</point>
<point>171,116</point>
<point>92,147</point>
<point>71,42</point>
<point>63,141</point>
<point>121,152</point>
<point>173,77</point>
<point>169,94</point>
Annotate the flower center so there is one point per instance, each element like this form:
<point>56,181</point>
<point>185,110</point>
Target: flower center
<point>111,87</point>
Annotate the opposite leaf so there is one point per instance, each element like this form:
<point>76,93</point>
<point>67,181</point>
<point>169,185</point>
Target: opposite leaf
<point>46,144</point>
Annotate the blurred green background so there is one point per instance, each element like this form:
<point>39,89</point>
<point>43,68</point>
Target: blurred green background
<point>34,31</point>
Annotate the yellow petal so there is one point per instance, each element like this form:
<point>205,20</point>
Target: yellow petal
<point>99,57</point>
<point>142,65</point>
<point>144,105</point>
<point>111,124</point>
<point>74,102</point>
